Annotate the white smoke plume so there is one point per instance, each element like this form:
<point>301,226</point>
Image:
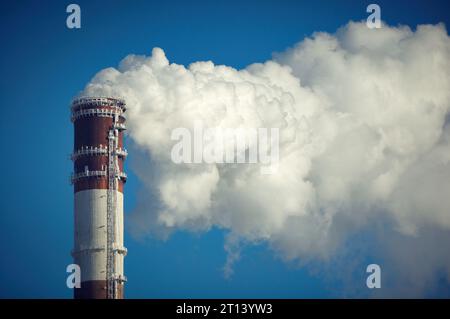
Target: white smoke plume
<point>364,142</point>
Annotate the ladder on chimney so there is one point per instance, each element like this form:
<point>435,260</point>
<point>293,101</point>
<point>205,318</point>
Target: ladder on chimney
<point>111,281</point>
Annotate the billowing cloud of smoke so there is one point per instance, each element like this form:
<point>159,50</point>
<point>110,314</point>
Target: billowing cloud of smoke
<point>363,141</point>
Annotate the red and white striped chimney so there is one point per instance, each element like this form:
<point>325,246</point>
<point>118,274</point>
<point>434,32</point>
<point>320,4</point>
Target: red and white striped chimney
<point>98,181</point>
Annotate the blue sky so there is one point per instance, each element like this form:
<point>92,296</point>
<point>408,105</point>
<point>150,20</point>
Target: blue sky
<point>44,64</point>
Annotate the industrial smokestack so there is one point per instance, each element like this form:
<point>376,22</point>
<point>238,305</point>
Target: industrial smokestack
<point>98,181</point>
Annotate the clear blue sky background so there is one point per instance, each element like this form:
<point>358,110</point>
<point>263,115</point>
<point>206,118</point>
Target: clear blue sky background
<point>43,65</point>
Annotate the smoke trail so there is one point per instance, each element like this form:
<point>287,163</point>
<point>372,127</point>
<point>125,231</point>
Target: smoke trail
<point>363,141</point>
